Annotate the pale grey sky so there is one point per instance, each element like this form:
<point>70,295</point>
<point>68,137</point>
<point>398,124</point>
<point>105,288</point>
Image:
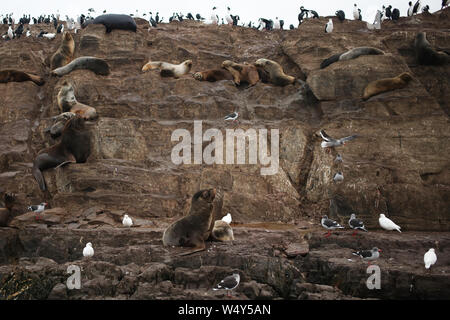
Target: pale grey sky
<point>246,9</point>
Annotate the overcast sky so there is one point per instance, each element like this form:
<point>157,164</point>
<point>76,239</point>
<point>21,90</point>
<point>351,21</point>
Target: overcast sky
<point>246,9</point>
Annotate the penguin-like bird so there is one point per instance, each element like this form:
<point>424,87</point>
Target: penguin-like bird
<point>329,26</point>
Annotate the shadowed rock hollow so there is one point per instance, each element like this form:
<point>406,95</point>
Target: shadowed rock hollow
<point>399,164</point>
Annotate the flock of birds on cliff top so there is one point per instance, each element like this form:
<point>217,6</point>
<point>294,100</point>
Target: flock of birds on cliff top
<point>386,13</point>
<point>231,282</point>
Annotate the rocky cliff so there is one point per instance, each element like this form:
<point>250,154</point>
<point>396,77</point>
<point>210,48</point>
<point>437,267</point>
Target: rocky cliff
<point>399,164</point>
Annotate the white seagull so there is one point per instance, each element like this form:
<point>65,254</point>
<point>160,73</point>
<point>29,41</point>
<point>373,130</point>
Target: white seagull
<point>227,218</point>
<point>229,283</point>
<point>356,12</point>
<point>228,17</point>
<point>127,222</point>
<point>429,258</point>
<point>329,26</point>
<point>388,224</point>
<point>10,33</point>
<point>49,35</point>
<point>88,251</point>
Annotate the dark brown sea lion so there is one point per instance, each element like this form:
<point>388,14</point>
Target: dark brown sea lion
<point>242,72</point>
<point>10,75</point>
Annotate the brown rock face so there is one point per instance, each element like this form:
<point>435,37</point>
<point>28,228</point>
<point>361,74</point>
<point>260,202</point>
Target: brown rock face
<point>399,165</point>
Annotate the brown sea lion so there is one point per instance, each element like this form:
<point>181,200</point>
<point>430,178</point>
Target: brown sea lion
<point>425,54</point>
<point>64,54</point>
<point>97,65</point>
<point>59,122</point>
<point>222,231</point>
<point>275,71</point>
<point>242,72</point>
<point>68,103</point>
<point>75,142</point>
<point>192,230</point>
<point>168,69</point>
<point>387,84</point>
<point>10,75</point>
<point>213,75</point>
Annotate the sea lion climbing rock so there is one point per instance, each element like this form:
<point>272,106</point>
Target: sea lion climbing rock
<point>68,103</point>
<point>75,143</point>
<point>64,54</point>
<point>192,230</point>
<point>425,54</point>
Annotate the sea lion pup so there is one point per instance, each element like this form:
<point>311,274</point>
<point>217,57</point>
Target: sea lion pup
<point>242,72</point>
<point>75,141</point>
<point>10,75</point>
<point>68,103</point>
<point>192,230</point>
<point>222,231</point>
<point>213,75</point>
<point>350,54</point>
<point>387,84</point>
<point>59,122</point>
<point>275,71</point>
<point>99,66</point>
<point>425,54</point>
<point>64,54</point>
<point>168,69</point>
<point>113,21</point>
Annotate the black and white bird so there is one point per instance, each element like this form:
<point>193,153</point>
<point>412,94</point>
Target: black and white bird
<point>229,283</point>
<point>429,258</point>
<point>356,224</point>
<point>127,222</point>
<point>330,142</point>
<point>232,116</point>
<point>88,251</point>
<point>445,3</point>
<point>28,33</point>
<point>395,14</point>
<point>368,255</point>
<point>291,27</point>
<point>329,26</point>
<point>338,177</point>
<point>228,17</point>
<point>416,8</point>
<point>410,9</point>
<point>330,225</point>
<point>276,24</point>
<point>388,224</point>
<point>60,28</point>
<point>10,33</point>
<point>38,209</point>
<point>314,14</point>
<point>388,12</point>
<point>426,9</point>
<point>356,12</point>
<point>340,14</point>
<point>338,158</point>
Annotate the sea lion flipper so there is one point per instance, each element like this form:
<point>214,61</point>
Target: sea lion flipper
<point>37,174</point>
<point>198,248</point>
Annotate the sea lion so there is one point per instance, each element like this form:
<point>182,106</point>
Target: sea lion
<point>222,231</point>
<point>68,103</point>
<point>113,21</point>
<point>64,54</point>
<point>192,230</point>
<point>99,66</point>
<point>213,75</point>
<point>242,72</point>
<point>350,54</point>
<point>59,122</point>
<point>387,84</point>
<point>75,141</point>
<point>10,75</point>
<point>275,71</point>
<point>168,69</point>
<point>425,54</point>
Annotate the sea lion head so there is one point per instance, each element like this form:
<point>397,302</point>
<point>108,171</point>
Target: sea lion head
<point>76,123</point>
<point>261,62</point>
<point>207,195</point>
<point>406,77</point>
<point>188,64</point>
<point>227,63</point>
<point>198,76</point>
<point>67,36</point>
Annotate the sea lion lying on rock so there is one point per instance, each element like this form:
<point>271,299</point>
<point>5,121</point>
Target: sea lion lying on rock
<point>275,72</point>
<point>242,72</point>
<point>97,65</point>
<point>168,69</point>
<point>11,75</point>
<point>213,75</point>
<point>350,54</point>
<point>192,230</point>
<point>75,142</point>
<point>113,21</point>
<point>387,84</point>
<point>222,231</point>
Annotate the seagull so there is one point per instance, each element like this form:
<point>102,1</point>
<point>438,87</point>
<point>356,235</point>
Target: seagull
<point>330,142</point>
<point>388,224</point>
<point>330,225</point>
<point>356,224</point>
<point>38,208</point>
<point>429,258</point>
<point>356,13</point>
<point>329,26</point>
<point>368,255</point>
<point>338,158</point>
<point>10,33</point>
<point>276,24</point>
<point>49,35</point>
<point>229,283</point>
<point>228,17</point>
<point>127,222</point>
<point>88,251</point>
<point>339,176</point>
<point>227,218</point>
<point>232,116</point>
<point>28,33</point>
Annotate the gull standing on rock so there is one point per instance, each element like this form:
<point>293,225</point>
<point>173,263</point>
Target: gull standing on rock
<point>356,224</point>
<point>88,251</point>
<point>127,222</point>
<point>227,218</point>
<point>232,116</point>
<point>229,283</point>
<point>330,225</point>
<point>339,176</point>
<point>429,258</point>
<point>38,208</point>
<point>388,224</point>
<point>368,255</point>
